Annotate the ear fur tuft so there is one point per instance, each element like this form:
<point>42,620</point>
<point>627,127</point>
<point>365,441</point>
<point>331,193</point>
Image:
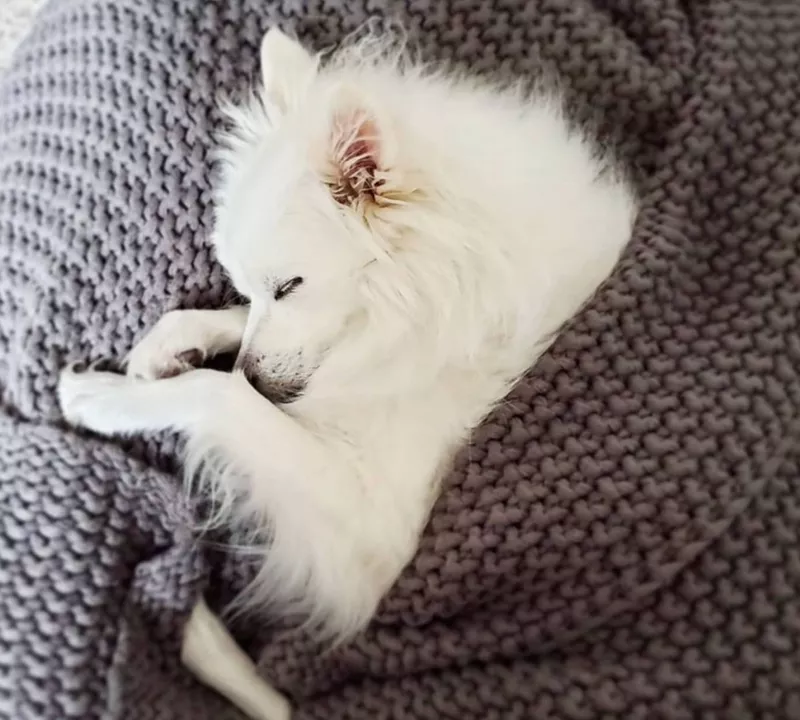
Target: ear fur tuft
<point>356,176</point>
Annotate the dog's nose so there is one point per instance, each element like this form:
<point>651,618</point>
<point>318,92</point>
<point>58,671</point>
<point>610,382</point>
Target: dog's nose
<point>251,375</point>
<point>246,364</point>
<point>274,389</point>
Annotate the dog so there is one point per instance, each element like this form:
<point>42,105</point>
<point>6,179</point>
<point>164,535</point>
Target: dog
<point>409,242</point>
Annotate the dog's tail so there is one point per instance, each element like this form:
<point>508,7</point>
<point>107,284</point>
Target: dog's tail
<point>216,660</point>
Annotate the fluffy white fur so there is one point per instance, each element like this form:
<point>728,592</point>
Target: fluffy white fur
<point>444,229</point>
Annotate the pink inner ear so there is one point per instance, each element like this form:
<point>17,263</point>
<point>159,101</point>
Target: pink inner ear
<point>359,138</point>
<point>356,159</point>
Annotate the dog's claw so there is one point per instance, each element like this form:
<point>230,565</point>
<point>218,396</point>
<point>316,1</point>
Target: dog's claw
<point>153,361</point>
<point>171,371</point>
<point>75,367</point>
<point>192,357</point>
<point>101,365</point>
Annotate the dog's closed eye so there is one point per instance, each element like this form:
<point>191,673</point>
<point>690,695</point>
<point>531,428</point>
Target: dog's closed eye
<point>288,287</point>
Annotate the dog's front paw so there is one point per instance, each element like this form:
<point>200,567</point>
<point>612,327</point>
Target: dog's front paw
<point>169,349</point>
<point>82,395</point>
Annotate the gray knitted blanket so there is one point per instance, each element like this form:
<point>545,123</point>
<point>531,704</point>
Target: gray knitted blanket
<point>621,537</point>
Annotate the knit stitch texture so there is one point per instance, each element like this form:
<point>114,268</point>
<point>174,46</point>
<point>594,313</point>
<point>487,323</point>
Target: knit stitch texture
<point>620,539</point>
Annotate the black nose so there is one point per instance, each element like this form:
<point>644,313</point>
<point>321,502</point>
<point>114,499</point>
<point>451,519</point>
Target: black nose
<point>251,375</point>
<point>248,366</point>
<point>275,389</point>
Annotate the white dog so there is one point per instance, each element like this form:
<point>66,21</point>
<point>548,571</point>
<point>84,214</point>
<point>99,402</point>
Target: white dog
<point>409,242</point>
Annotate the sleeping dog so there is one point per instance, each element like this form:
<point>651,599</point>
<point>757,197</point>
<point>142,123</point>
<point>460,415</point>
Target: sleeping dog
<point>409,242</point>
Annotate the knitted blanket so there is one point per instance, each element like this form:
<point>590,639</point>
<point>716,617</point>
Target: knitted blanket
<point>620,539</point>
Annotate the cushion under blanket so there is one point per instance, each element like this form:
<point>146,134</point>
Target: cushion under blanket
<point>621,537</point>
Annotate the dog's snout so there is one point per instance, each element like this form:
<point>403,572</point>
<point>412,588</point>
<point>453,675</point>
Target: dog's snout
<point>276,389</point>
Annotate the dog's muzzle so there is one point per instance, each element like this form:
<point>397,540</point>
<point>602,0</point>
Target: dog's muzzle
<point>279,391</point>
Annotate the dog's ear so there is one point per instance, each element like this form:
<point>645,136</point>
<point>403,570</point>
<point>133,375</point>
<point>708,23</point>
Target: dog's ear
<point>358,154</point>
<point>286,68</point>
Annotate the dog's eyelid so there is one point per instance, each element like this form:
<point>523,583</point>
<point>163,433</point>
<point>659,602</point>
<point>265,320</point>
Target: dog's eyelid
<point>287,287</point>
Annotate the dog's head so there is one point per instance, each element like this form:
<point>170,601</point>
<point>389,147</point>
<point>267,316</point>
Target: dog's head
<point>306,209</point>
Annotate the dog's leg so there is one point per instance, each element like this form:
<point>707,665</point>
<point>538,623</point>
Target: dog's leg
<point>215,659</point>
<point>113,404</point>
<point>223,407</point>
<point>183,339</point>
<point>227,406</point>
<point>288,465</point>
